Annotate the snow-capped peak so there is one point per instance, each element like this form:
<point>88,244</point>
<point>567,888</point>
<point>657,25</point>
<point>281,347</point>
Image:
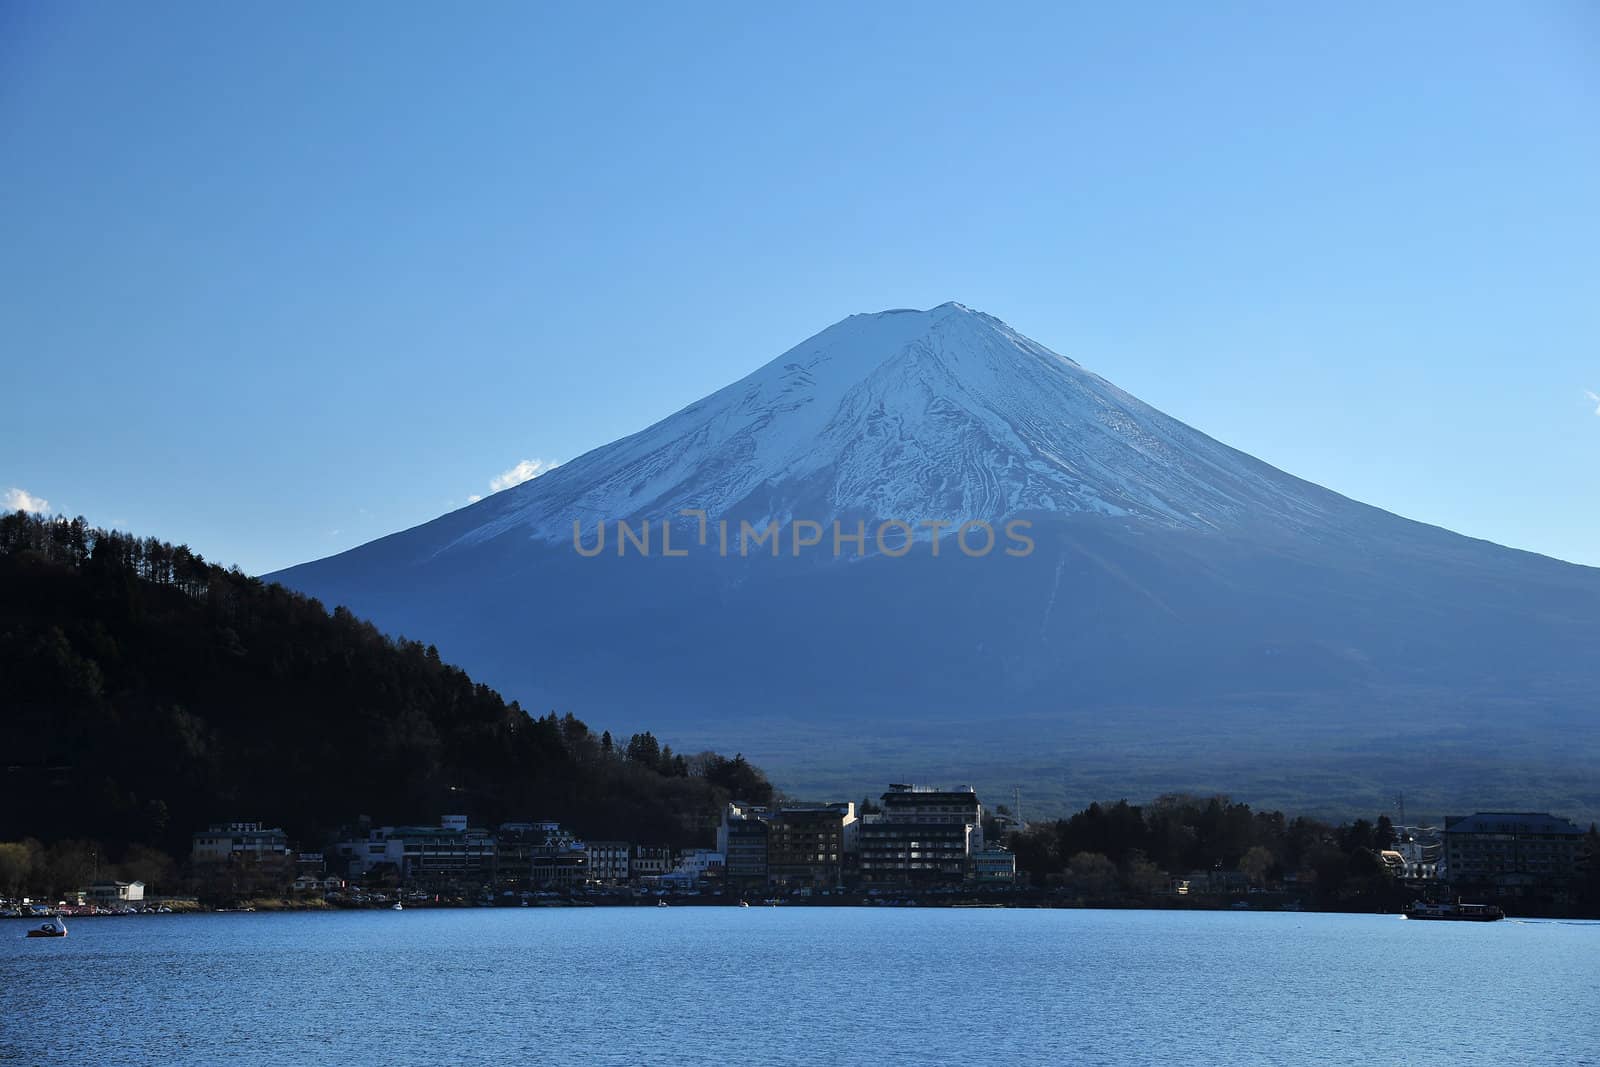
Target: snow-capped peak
<point>943,414</point>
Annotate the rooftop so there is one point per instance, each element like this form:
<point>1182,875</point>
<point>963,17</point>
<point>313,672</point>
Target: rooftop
<point>1511,822</point>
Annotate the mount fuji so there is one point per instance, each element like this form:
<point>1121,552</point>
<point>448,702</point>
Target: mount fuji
<point>1172,614</point>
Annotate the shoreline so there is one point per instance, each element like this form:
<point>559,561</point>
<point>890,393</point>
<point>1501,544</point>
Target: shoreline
<point>271,907</point>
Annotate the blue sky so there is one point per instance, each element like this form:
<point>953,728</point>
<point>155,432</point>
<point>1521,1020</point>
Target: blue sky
<point>276,280</point>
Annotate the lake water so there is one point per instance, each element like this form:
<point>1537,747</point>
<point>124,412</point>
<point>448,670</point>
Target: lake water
<point>799,985</point>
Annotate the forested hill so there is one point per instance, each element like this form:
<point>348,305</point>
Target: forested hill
<point>145,693</point>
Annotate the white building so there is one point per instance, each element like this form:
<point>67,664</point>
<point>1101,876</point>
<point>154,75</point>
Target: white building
<point>308,883</point>
<point>694,865</point>
<point>113,893</point>
<point>1421,851</point>
<point>451,849</point>
<point>994,866</point>
<point>224,842</point>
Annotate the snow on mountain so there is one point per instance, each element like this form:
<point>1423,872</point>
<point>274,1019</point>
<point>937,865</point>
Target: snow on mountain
<point>916,415</point>
<point>1191,617</point>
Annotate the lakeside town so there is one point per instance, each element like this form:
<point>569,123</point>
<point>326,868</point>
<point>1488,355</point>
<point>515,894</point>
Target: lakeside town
<point>915,845</point>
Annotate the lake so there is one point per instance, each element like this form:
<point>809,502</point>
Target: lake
<point>796,985</point>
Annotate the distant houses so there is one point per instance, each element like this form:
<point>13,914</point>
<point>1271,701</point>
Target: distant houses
<point>915,838</point>
<point>921,837</point>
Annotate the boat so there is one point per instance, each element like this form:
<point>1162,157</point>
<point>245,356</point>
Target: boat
<point>49,928</point>
<point>397,906</point>
<point>744,903</point>
<point>1472,913</point>
<point>662,904</point>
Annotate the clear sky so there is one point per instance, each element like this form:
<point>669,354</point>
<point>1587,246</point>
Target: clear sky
<point>276,279</point>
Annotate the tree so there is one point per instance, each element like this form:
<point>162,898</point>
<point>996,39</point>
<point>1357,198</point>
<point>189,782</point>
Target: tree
<point>1092,874</point>
<point>1384,836</point>
<point>1365,863</point>
<point>17,862</point>
<point>1143,877</point>
<point>1036,852</point>
<point>1358,835</point>
<point>70,866</point>
<point>1331,865</point>
<point>153,693</point>
<point>151,866</point>
<point>1256,863</point>
<point>739,778</point>
<point>645,749</point>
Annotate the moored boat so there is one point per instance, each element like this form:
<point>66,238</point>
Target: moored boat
<point>1480,913</point>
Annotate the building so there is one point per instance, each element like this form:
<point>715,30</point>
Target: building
<point>1215,880</point>
<point>790,845</point>
<point>449,852</point>
<point>233,841</point>
<point>1512,853</point>
<point>923,835</point>
<point>1421,850</point>
<point>110,894</point>
<point>993,866</point>
<point>694,866</point>
<point>316,883</point>
<point>609,862</point>
<point>540,854</point>
<point>742,840</point>
<point>650,861</point>
<point>806,844</point>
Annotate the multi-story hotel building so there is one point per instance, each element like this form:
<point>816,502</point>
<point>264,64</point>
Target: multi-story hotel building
<point>742,839</point>
<point>806,844</point>
<point>1511,850</point>
<point>923,834</point>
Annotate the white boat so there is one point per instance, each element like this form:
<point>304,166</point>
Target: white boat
<point>397,906</point>
<point>50,928</point>
<point>1481,913</point>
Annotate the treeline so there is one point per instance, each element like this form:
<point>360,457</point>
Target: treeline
<point>53,872</point>
<point>145,693</point>
<point>1125,852</point>
<point>1178,834</point>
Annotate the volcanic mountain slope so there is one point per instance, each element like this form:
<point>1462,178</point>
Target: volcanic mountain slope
<point>1187,616</point>
<point>939,414</point>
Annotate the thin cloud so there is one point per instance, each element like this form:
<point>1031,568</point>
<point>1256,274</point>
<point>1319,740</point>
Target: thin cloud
<point>1595,397</point>
<point>525,471</point>
<point>22,500</point>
